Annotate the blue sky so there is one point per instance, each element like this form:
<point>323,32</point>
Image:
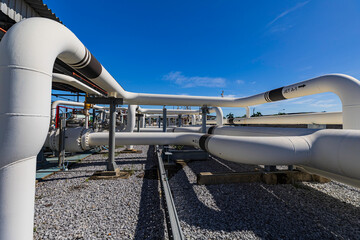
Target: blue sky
<point>206,47</point>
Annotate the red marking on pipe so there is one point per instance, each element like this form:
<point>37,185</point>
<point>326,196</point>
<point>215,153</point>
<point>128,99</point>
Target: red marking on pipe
<point>57,116</point>
<point>3,30</point>
<point>89,82</point>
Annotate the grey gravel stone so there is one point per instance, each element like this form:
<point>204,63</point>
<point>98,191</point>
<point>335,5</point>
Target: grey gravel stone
<point>68,206</point>
<point>260,211</point>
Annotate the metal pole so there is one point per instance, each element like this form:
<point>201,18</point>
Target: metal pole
<point>111,165</point>
<point>61,157</point>
<point>179,120</point>
<point>204,114</point>
<point>164,119</point>
<point>159,122</point>
<point>94,115</point>
<point>138,122</point>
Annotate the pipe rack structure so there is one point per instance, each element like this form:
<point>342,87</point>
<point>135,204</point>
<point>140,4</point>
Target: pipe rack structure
<point>25,95</point>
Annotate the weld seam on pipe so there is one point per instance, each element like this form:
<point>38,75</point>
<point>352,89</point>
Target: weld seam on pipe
<point>24,115</point>
<point>16,162</point>
<point>27,68</point>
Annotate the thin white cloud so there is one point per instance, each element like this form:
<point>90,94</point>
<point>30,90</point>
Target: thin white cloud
<point>240,81</point>
<point>286,12</point>
<point>188,82</point>
<point>280,28</point>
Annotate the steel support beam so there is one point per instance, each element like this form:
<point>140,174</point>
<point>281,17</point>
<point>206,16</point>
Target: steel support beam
<point>164,119</point>
<point>204,110</point>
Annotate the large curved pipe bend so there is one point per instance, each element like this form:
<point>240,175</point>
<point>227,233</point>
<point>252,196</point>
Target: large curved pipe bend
<point>346,87</point>
<point>27,55</point>
<point>219,115</point>
<point>71,103</point>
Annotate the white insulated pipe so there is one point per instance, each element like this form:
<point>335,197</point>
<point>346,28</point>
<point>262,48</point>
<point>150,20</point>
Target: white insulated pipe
<point>69,103</point>
<point>259,131</point>
<point>308,118</point>
<point>21,73</point>
<point>25,96</point>
<point>169,111</point>
<point>334,153</point>
<point>346,87</point>
<point>62,78</point>
<point>131,122</point>
<point>98,139</point>
<point>219,115</point>
<point>217,110</point>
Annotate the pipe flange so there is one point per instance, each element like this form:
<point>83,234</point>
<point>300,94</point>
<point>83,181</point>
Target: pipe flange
<point>84,139</point>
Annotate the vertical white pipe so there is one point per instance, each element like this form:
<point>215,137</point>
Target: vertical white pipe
<point>131,120</point>
<point>25,96</point>
<point>247,112</point>
<point>87,118</point>
<point>142,121</point>
<point>193,120</point>
<point>219,116</point>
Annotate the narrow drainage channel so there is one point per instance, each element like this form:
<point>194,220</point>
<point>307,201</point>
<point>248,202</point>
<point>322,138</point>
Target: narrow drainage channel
<point>172,220</point>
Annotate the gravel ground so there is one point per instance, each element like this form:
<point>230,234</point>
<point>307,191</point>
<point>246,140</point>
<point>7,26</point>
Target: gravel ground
<point>69,206</point>
<point>260,211</point>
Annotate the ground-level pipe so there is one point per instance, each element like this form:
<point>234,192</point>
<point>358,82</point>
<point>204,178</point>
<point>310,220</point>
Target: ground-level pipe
<point>330,151</point>
<point>248,131</point>
<point>258,131</point>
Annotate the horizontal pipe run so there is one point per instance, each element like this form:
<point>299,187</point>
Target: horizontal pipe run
<point>309,118</point>
<point>259,131</point>
<point>98,139</point>
<point>169,111</point>
<point>248,131</point>
<point>62,78</point>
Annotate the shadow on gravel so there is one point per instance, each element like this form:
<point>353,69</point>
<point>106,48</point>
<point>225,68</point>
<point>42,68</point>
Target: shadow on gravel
<point>126,158</point>
<point>150,223</point>
<point>58,178</point>
<point>87,164</point>
<point>271,212</point>
<point>122,162</point>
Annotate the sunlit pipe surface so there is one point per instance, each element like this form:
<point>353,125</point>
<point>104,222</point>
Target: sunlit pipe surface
<point>62,78</point>
<point>248,131</point>
<point>329,151</point>
<point>21,73</point>
<point>169,111</point>
<point>69,103</point>
<point>308,118</point>
<point>25,96</point>
<point>219,115</point>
